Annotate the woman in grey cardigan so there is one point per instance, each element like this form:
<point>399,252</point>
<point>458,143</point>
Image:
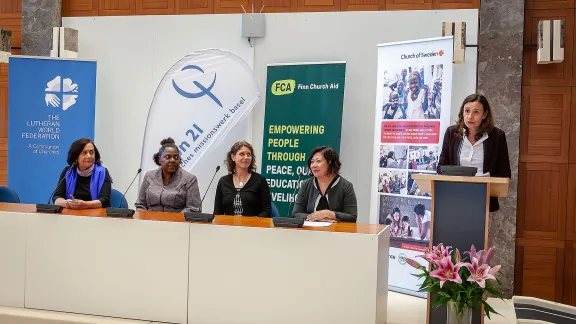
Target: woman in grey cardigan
<point>325,197</point>
<point>169,188</point>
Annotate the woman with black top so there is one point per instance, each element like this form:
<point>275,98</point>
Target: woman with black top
<point>242,192</point>
<point>326,197</point>
<point>475,142</point>
<point>84,183</point>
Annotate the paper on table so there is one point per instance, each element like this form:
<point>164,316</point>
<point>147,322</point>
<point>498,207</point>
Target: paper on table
<point>317,224</point>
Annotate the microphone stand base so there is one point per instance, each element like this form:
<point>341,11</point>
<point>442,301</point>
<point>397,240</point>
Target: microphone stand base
<point>288,222</point>
<point>48,208</point>
<point>198,217</point>
<point>119,212</point>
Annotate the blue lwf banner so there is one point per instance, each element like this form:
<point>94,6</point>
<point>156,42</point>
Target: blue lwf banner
<point>51,103</point>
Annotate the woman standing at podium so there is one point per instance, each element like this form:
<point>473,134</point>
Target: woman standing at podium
<point>475,142</point>
<point>84,183</point>
<point>326,197</point>
<point>242,192</point>
<point>169,188</point>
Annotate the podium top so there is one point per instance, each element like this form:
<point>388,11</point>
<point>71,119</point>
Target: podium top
<point>498,186</point>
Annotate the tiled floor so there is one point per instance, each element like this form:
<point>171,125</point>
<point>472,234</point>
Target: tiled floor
<point>405,309</point>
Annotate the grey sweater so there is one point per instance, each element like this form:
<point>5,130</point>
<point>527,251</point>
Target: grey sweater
<point>180,195</point>
<point>341,200</point>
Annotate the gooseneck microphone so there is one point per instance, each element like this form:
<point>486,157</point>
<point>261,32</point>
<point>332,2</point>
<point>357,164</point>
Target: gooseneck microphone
<point>49,207</point>
<point>125,192</point>
<point>199,216</point>
<point>291,206</point>
<point>217,169</point>
<point>123,212</point>
<point>59,182</point>
<point>289,220</point>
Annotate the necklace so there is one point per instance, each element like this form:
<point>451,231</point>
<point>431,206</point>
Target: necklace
<point>240,182</point>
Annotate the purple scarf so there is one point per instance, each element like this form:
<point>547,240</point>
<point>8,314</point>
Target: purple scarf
<point>96,181</point>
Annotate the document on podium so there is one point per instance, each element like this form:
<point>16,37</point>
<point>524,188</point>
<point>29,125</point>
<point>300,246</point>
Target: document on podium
<point>317,224</point>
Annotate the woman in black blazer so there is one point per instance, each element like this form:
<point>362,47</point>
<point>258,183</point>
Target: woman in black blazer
<point>242,192</point>
<point>475,142</point>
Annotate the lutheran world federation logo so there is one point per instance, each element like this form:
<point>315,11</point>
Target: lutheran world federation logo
<point>61,93</point>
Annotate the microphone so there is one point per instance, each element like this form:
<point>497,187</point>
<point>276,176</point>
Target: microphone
<point>125,192</point>
<point>49,207</point>
<point>123,212</point>
<point>199,216</point>
<point>293,195</point>
<point>217,169</point>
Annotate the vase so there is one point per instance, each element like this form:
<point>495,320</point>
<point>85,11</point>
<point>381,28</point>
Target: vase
<point>455,317</point>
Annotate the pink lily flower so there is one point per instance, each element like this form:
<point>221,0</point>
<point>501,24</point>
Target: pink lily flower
<point>479,272</point>
<point>484,257</point>
<point>447,271</point>
<point>413,263</point>
<point>458,256</point>
<point>472,252</point>
<point>436,254</point>
<point>487,256</point>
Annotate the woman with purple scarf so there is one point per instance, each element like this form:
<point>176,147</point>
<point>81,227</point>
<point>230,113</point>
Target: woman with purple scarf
<point>87,184</point>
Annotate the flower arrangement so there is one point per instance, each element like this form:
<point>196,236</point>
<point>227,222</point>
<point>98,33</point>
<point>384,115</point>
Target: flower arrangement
<point>460,282</point>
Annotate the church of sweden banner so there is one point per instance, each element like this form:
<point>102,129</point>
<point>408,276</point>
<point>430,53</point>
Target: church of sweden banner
<point>413,101</point>
<point>197,103</point>
<point>304,105</point>
<point>51,103</point>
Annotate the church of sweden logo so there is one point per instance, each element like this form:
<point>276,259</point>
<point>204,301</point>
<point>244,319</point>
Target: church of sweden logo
<point>203,90</point>
<point>61,93</point>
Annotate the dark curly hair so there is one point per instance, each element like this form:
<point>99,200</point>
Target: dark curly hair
<point>165,143</point>
<point>231,165</point>
<point>487,124</point>
<point>330,156</point>
<point>77,147</point>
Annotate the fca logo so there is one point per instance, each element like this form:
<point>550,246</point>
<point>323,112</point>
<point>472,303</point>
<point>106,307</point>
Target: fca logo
<point>204,91</point>
<point>283,87</point>
<point>61,93</point>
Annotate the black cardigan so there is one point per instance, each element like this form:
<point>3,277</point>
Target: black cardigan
<point>496,160</point>
<point>341,200</point>
<point>255,195</point>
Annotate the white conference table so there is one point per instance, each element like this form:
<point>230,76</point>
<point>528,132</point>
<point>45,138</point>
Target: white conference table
<point>158,267</point>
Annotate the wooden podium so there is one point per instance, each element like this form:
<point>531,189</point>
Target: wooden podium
<point>460,209</point>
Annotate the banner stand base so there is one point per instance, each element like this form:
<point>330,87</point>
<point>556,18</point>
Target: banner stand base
<point>408,292</point>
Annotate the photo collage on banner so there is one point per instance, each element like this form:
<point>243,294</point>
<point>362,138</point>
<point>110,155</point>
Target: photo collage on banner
<point>412,112</point>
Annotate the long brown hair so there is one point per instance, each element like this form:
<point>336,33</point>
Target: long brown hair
<point>487,124</point>
<point>231,165</point>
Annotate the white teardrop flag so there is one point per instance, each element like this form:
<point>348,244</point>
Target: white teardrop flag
<point>197,103</point>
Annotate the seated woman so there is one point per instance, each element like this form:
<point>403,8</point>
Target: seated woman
<point>84,183</point>
<point>327,196</point>
<point>169,188</point>
<point>242,192</point>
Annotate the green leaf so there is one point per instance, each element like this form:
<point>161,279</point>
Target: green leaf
<point>440,301</point>
<point>488,309</point>
<point>469,291</point>
<point>494,292</point>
